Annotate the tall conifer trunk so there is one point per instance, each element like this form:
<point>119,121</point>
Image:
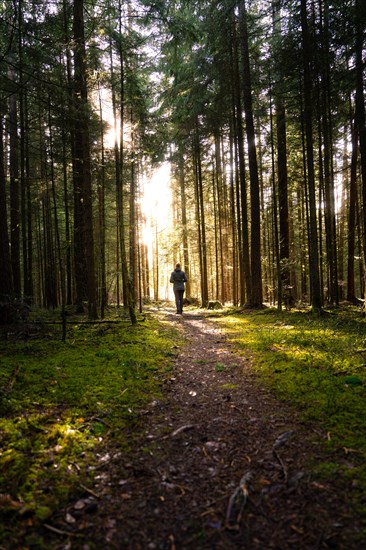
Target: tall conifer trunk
<point>281,127</point>
<point>242,203</point>
<point>82,167</point>
<point>200,217</point>
<point>14,189</point>
<point>316,301</point>
<point>256,295</point>
<point>6,282</point>
<point>184,223</point>
<point>360,108</point>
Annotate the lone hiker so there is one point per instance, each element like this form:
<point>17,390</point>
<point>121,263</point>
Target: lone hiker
<point>178,278</point>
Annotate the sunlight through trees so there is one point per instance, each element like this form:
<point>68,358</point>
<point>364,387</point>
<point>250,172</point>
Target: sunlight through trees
<point>226,135</point>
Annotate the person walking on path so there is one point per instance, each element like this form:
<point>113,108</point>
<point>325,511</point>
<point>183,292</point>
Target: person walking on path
<point>178,278</point>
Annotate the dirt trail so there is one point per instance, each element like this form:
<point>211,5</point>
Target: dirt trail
<point>214,428</point>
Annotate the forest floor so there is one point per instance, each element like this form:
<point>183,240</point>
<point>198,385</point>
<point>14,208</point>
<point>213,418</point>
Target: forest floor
<point>219,463</point>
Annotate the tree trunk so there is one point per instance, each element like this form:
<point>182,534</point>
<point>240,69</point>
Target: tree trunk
<point>101,216</point>
<point>184,223</point>
<point>65,129</point>
<point>360,117</point>
<point>256,296</point>
<point>352,203</point>
<point>316,302</point>
<point>200,218</point>
<point>330,218</point>
<point>126,280</point>
<point>233,224</point>
<point>6,280</point>
<point>242,187</point>
<point>14,190</point>
<point>83,254</point>
<point>284,235</point>
<point>276,239</point>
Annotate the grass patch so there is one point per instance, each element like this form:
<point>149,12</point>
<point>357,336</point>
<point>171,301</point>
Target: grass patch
<point>61,404</point>
<point>220,367</point>
<point>317,364</point>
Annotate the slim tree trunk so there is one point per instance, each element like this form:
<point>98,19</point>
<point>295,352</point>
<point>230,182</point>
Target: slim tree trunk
<point>132,228</point>
<point>316,302</point>
<point>276,239</point>
<point>241,184</point>
<point>216,293</point>
<point>203,243</point>
<point>351,295</point>
<point>200,217</point>
<point>6,280</point>
<point>233,224</point>
<point>126,280</point>
<point>330,218</point>
<point>101,217</point>
<point>68,128</point>
<point>283,211</point>
<point>14,189</point>
<point>184,223</point>
<point>83,184</point>
<point>360,117</point>
<point>220,219</point>
<point>256,296</point>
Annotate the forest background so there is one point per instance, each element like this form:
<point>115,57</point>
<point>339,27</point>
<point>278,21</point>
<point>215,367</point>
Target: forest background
<point>227,135</point>
<point>254,112</point>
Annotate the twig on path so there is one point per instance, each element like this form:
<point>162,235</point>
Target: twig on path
<point>61,532</point>
<point>239,499</point>
<point>179,430</point>
<point>284,469</point>
<point>280,442</point>
<point>93,493</point>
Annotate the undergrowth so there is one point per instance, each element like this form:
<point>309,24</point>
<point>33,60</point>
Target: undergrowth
<point>61,403</point>
<point>317,364</point>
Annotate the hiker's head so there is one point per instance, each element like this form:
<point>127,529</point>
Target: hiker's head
<point>177,266</point>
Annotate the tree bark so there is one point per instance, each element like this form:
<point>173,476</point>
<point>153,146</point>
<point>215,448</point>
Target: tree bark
<point>316,302</point>
<point>256,295</point>
<point>6,280</point>
<point>82,172</point>
<point>183,206</point>
<point>360,117</point>
<point>14,189</point>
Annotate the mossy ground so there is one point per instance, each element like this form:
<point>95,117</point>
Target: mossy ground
<point>317,364</point>
<point>61,404</point>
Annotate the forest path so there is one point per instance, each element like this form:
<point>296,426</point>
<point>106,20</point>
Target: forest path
<point>215,427</point>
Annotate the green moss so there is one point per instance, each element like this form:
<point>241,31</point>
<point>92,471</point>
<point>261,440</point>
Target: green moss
<point>317,364</point>
<point>62,403</point>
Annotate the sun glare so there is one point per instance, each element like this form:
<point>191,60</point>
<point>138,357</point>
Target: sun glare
<point>156,204</point>
<point>156,208</point>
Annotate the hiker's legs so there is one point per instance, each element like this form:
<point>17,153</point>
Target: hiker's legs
<point>176,294</point>
<point>179,300</point>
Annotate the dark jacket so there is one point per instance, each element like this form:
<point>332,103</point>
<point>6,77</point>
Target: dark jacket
<point>178,278</point>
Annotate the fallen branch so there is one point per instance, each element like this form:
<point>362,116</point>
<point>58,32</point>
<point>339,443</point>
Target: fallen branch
<point>93,493</point>
<point>281,442</point>
<point>179,430</point>
<point>61,532</point>
<point>239,500</point>
<point>284,469</point>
